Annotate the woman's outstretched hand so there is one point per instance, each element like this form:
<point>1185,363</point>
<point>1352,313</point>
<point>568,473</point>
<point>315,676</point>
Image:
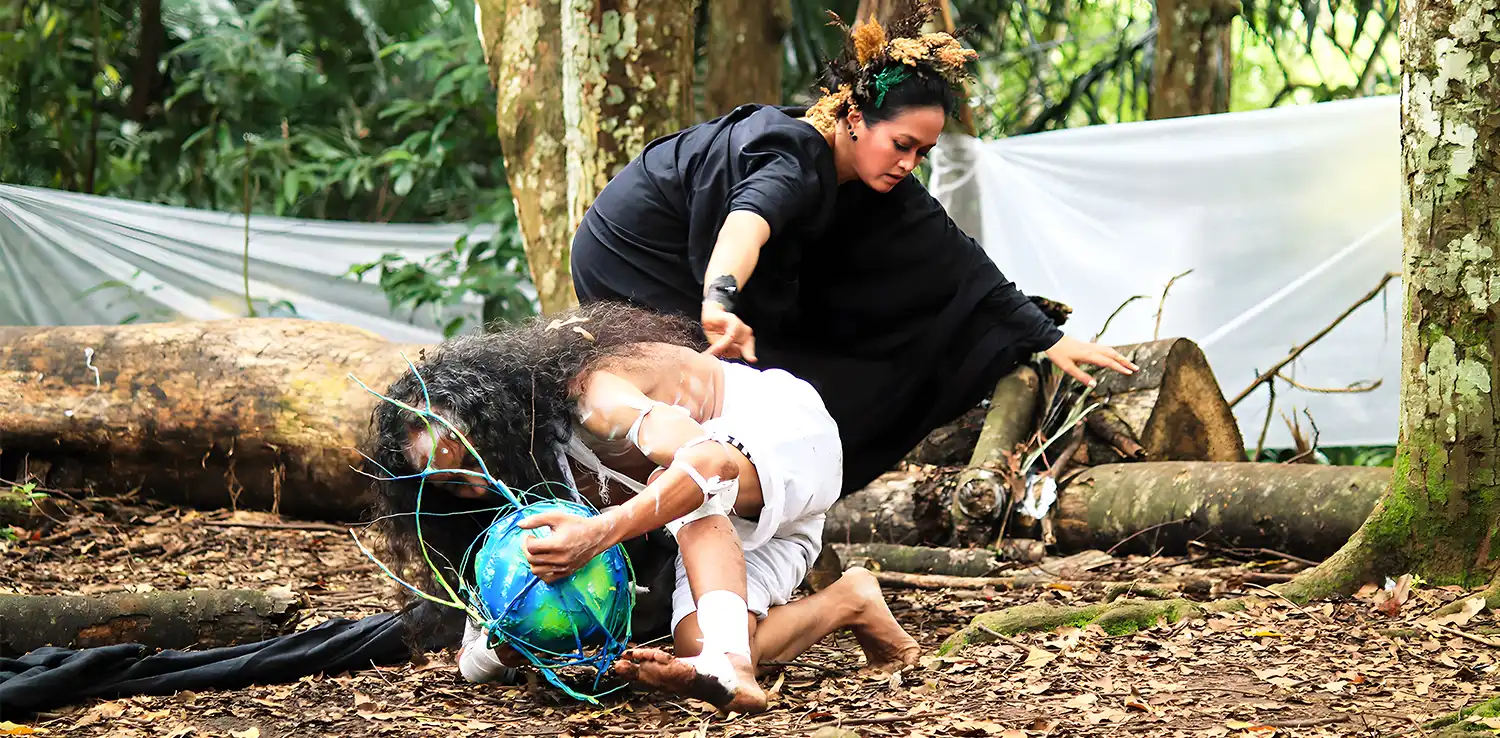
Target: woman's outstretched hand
<point>1068,353</point>
<point>728,336</point>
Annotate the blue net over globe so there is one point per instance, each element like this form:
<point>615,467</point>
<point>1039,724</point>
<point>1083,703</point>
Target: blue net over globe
<point>589,609</point>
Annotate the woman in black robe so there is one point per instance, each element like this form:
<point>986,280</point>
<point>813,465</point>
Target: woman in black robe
<point>806,226</point>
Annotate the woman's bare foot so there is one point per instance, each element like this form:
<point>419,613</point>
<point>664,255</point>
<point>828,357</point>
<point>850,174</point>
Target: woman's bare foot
<point>886,645</point>
<point>698,677</point>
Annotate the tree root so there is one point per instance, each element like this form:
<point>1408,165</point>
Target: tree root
<point>1491,601</point>
<point>1456,724</point>
<point>1121,617</point>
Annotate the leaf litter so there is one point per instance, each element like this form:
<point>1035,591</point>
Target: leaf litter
<point>1374,664</point>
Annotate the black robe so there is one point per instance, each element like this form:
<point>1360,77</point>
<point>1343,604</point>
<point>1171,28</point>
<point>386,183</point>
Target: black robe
<point>897,317</point>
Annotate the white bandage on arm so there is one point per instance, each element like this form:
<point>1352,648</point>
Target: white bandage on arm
<point>718,494</point>
<point>477,662</point>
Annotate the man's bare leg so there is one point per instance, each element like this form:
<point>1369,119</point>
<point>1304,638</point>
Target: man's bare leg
<point>704,669</point>
<point>854,602</point>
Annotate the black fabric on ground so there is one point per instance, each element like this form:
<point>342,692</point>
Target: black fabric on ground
<point>898,318</point>
<point>50,677</point>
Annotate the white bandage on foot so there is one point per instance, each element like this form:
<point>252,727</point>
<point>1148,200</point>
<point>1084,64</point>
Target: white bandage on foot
<point>723,617</point>
<point>477,662</point>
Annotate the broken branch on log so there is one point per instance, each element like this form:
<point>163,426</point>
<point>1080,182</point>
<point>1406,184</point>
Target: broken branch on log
<point>1173,406</point>
<point>206,618</point>
<point>1271,373</point>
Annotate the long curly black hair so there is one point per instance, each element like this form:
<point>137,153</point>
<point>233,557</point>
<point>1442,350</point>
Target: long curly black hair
<point>510,392</point>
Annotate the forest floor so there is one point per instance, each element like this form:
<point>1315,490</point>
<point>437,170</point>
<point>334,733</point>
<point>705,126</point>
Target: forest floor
<point>1275,669</point>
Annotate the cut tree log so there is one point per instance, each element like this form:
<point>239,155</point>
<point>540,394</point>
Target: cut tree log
<point>1303,510</point>
<point>907,507</point>
<point>960,562</point>
<point>255,413</point>
<point>1173,405</point>
<point>975,502</point>
<point>207,618</point>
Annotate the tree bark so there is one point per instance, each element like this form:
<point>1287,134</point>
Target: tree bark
<point>744,53</point>
<point>1193,66</point>
<point>1174,405</point>
<point>1297,509</point>
<point>1303,510</point>
<point>959,562</point>
<point>523,46</point>
<point>976,501</point>
<point>905,507</point>
<point>627,78</point>
<point>254,413</point>
<point>1441,513</point>
<point>951,444</point>
<point>207,618</point>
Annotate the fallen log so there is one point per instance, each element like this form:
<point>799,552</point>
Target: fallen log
<point>1051,572</point>
<point>963,562</point>
<point>976,500</point>
<point>258,414</point>
<point>1173,406</point>
<point>906,507</point>
<point>1142,507</point>
<point>207,618</point>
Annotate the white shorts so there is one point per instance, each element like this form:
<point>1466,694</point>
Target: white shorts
<point>784,428</point>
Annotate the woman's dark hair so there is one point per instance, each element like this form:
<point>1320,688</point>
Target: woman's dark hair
<point>921,89</point>
<point>510,392</point>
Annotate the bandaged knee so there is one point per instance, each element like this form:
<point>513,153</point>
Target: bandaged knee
<point>718,494</point>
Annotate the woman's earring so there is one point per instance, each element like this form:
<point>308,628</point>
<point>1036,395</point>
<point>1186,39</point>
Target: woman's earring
<point>853,137</point>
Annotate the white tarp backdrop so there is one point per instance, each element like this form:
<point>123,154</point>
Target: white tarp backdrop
<point>168,263</point>
<point>1286,217</point>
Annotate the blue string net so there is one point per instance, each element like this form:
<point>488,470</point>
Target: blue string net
<point>582,620</point>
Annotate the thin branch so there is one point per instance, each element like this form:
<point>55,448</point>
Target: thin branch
<point>1273,371</point>
<point>1260,445</point>
<point>1363,385</point>
<point>1312,447</point>
<point>1161,307</point>
<point>1112,315</point>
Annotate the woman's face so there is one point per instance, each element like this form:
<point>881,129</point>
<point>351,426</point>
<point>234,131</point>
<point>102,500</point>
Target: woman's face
<point>885,152</point>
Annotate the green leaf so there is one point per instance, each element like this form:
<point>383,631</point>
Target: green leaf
<point>452,327</point>
<point>403,183</point>
<point>290,186</point>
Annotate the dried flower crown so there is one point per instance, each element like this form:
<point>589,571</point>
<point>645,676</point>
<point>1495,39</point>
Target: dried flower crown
<point>877,58</point>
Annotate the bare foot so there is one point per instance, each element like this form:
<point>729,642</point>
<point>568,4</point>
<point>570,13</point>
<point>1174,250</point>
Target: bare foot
<point>886,645</point>
<point>696,677</point>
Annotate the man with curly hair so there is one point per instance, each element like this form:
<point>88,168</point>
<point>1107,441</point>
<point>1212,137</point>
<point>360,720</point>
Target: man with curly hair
<point>623,405</point>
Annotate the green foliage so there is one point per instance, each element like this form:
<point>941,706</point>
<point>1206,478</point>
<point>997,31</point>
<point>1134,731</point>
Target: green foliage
<point>340,109</point>
<point>1337,455</point>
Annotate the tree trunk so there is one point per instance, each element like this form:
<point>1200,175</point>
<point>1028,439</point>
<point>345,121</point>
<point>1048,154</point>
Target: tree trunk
<point>1174,405</point>
<point>145,78</point>
<point>627,78</point>
<point>1440,515</point>
<point>206,618</point>
<point>1192,69</point>
<point>255,413</point>
<point>744,53</point>
<point>951,444</point>
<point>523,46</point>
<point>1298,509</point>
<point>960,562</point>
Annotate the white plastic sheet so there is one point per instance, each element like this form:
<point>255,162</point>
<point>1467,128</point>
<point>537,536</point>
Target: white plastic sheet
<point>167,263</point>
<point>1286,217</point>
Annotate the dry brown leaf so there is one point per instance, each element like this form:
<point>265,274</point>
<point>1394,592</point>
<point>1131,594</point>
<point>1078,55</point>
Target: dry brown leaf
<point>1036,657</point>
<point>1472,606</point>
<point>251,732</point>
<point>9,728</point>
<point>1082,701</point>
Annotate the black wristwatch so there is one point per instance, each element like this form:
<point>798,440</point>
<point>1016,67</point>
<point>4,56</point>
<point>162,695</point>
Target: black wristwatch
<point>724,290</point>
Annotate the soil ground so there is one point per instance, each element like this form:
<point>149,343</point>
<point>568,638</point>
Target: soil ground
<point>1330,668</point>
